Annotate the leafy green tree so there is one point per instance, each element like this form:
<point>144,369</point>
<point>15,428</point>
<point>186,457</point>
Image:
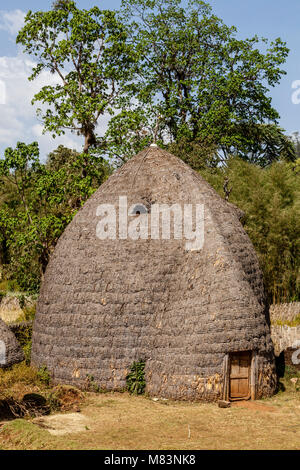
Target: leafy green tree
<point>198,83</point>
<point>37,203</point>
<point>88,52</point>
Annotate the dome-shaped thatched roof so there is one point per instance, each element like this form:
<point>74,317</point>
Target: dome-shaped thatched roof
<point>10,350</point>
<point>106,303</point>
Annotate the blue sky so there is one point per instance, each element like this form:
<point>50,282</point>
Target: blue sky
<point>268,18</point>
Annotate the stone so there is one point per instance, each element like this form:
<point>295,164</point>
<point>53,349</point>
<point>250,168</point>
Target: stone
<point>224,404</point>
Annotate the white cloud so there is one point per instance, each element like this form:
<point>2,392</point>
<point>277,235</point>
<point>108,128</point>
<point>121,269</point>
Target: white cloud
<point>47,142</point>
<point>18,120</point>
<point>37,130</point>
<point>12,21</point>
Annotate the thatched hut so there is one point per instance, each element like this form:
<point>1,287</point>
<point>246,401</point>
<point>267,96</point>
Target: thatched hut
<point>195,312</point>
<point>10,350</point>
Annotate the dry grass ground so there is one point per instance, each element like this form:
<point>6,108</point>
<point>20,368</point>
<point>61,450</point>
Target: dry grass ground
<point>120,421</point>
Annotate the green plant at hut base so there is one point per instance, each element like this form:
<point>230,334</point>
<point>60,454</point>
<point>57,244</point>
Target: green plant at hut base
<point>91,385</point>
<point>135,380</point>
<point>37,203</point>
<point>8,285</point>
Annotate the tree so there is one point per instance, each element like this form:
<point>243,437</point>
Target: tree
<point>207,87</point>
<point>37,203</point>
<point>88,52</point>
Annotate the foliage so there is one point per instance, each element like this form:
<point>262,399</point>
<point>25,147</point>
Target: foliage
<point>176,74</point>
<point>29,312</point>
<point>91,62</point>
<point>286,373</point>
<point>24,334</point>
<point>270,200</point>
<point>27,351</point>
<point>19,373</point>
<point>44,375</point>
<point>37,201</point>
<point>295,139</point>
<point>128,132</point>
<point>290,372</point>
<point>25,392</point>
<point>135,380</point>
<point>197,83</point>
<point>64,397</point>
<point>9,285</point>
<point>91,385</point>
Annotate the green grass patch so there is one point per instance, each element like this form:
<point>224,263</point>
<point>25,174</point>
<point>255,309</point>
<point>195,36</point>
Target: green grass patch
<point>9,285</point>
<point>22,434</point>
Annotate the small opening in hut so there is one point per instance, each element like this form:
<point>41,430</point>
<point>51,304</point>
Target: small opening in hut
<point>139,209</point>
<point>240,375</point>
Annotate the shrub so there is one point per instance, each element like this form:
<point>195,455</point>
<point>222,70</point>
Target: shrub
<point>44,375</point>
<point>91,385</point>
<point>23,331</point>
<point>9,285</point>
<point>290,372</point>
<point>29,312</point>
<point>64,398</point>
<point>23,334</point>
<point>16,375</point>
<point>25,392</point>
<point>135,380</point>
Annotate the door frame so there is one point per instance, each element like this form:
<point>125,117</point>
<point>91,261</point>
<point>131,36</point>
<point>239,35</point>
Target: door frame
<point>252,376</point>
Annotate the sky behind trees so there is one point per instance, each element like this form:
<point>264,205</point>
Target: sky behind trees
<point>268,18</point>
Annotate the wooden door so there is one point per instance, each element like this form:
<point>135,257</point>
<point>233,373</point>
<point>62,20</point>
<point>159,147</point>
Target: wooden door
<point>239,378</point>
